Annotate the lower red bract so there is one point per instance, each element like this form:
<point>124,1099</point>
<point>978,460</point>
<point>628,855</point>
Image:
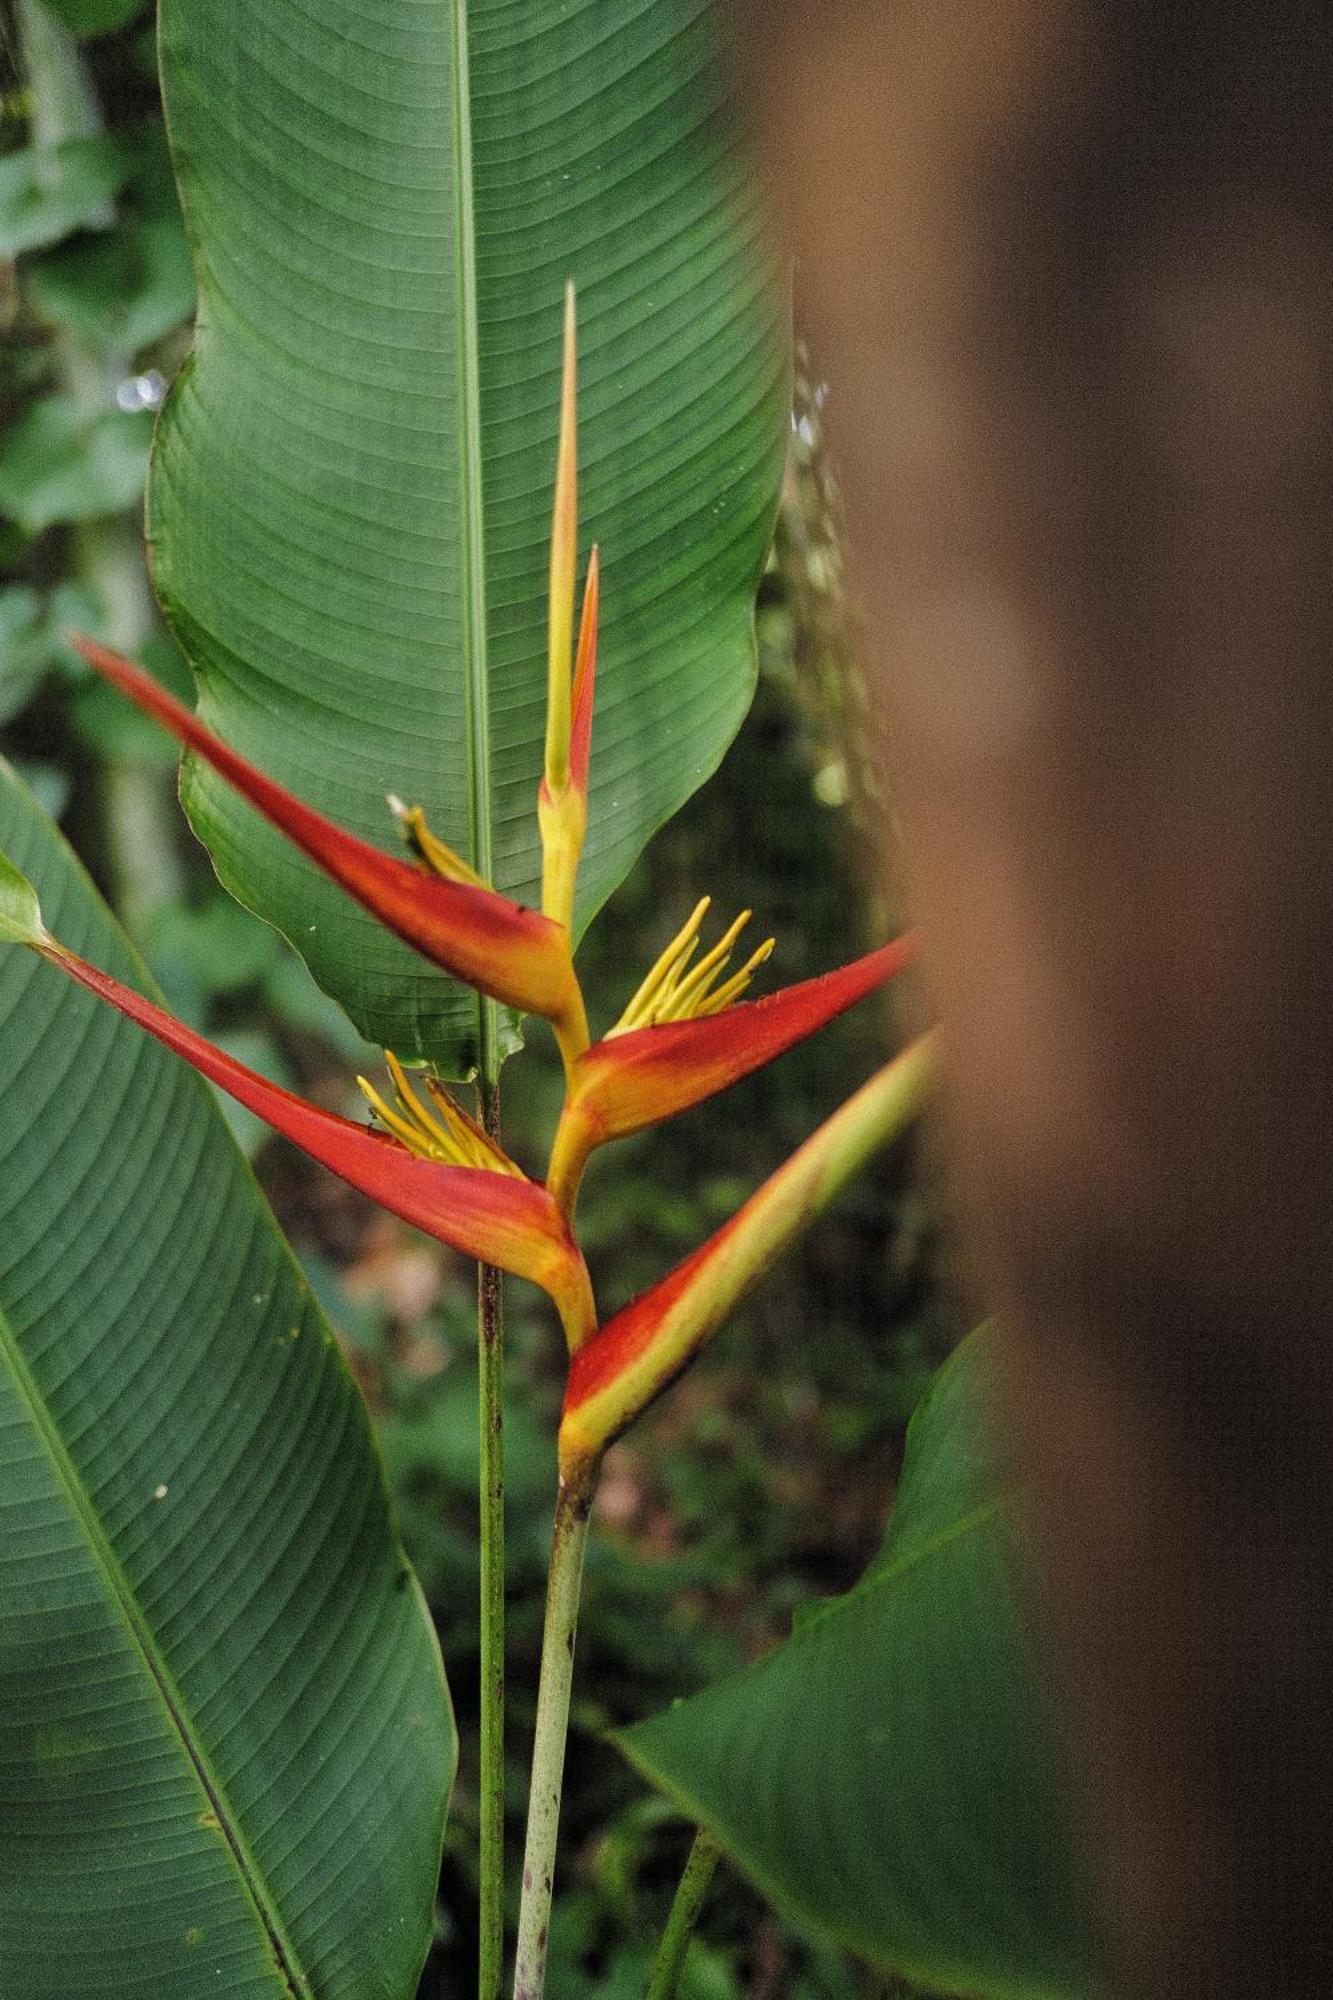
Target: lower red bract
<point>493,1217</point>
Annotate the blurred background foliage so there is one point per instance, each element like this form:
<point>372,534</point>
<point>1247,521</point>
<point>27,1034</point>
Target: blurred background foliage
<point>766,1476</point>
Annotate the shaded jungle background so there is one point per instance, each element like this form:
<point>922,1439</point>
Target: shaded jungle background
<point>766,1477</point>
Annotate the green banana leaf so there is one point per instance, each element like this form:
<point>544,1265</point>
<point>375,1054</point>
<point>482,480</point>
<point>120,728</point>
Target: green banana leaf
<point>891,1774</point>
<point>349,511</point>
<point>225,1742</point>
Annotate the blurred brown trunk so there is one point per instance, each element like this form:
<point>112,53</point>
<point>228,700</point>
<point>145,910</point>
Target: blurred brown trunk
<point>1068,270</point>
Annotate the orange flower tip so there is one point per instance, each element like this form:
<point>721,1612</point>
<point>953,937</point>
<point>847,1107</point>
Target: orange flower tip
<point>562,808</point>
<point>495,1216</point>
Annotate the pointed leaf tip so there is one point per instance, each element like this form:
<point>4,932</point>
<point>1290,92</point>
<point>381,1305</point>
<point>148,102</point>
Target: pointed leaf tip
<point>20,911</point>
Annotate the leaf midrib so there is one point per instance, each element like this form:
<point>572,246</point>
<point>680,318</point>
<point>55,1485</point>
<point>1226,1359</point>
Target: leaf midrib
<point>296,1983</point>
<point>471,513</point>
<point>897,1567</point>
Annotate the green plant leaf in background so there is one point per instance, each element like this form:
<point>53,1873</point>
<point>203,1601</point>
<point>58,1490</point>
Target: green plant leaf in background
<point>890,1774</point>
<point>57,463</point>
<point>120,290</point>
<point>25,648</point>
<point>224,1736</point>
<point>96,17</point>
<point>350,505</point>
<point>45,191</point>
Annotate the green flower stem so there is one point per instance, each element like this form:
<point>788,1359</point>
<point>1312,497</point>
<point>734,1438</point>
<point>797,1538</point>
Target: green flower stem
<point>138,799</point>
<point>568,1542</point>
<point>689,1901</point>
<point>490,1405</point>
<point>62,103</point>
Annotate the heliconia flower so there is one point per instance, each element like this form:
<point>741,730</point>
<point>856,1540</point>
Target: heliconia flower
<point>616,1374</point>
<point>683,1038</point>
<point>562,797</point>
<point>446,1133</point>
<point>514,954</point>
<point>464,1192</point>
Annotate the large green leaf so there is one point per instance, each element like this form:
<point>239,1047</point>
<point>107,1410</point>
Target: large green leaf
<point>224,1737</point>
<point>350,506</point>
<point>890,1773</point>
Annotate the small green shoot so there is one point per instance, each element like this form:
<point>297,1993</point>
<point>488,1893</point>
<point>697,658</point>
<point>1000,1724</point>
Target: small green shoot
<point>20,912</point>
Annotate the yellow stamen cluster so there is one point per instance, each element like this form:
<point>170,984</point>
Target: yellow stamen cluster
<point>451,1136</point>
<point>678,990</point>
<point>428,847</point>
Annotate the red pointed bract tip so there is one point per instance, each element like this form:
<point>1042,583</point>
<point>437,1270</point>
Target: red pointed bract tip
<point>639,1078</point>
<point>562,810</point>
<point>516,955</point>
<point>495,1217</point>
<point>630,1360</point>
<point>585,677</point>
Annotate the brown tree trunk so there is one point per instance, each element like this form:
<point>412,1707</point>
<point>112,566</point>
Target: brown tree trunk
<point>1069,271</point>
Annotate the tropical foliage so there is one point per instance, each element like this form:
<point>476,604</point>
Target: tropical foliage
<point>229,1748</point>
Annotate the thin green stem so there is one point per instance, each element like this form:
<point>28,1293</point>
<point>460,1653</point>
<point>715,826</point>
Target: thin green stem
<point>138,798</point>
<point>490,1404</point>
<point>62,101</point>
<point>568,1542</point>
<point>689,1901</point>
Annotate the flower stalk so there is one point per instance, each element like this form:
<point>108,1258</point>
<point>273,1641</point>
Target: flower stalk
<point>569,1540</point>
<point>491,1753</point>
<point>686,1907</point>
<point>624,1367</point>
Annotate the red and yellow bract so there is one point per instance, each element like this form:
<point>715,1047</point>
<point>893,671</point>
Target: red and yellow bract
<point>628,1081</point>
<point>513,954</point>
<point>630,1360</point>
<point>498,1217</point>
